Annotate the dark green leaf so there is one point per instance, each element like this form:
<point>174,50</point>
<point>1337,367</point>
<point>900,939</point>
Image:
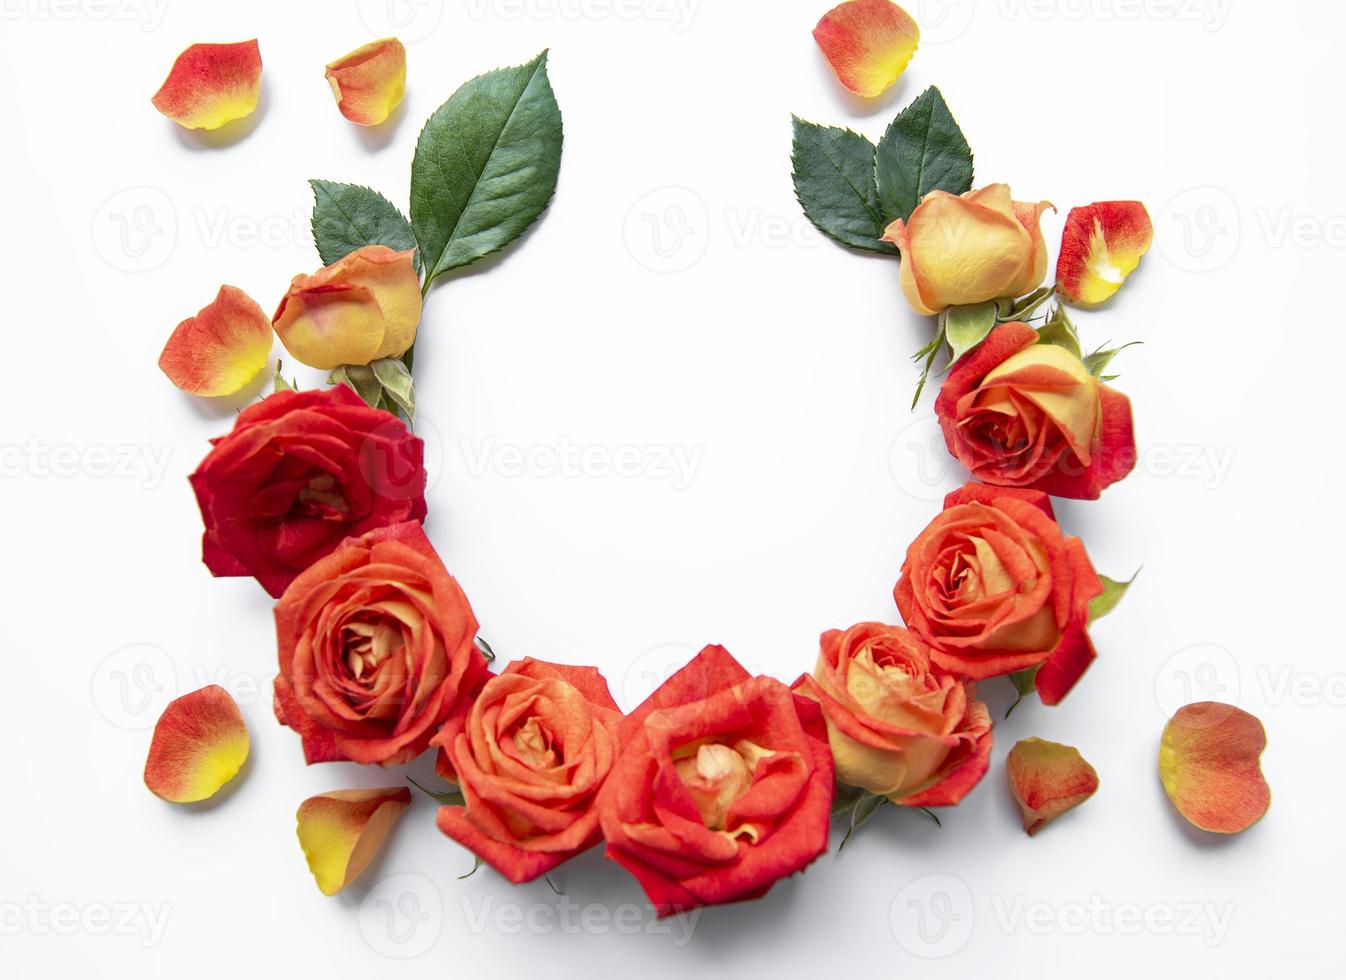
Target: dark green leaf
<point>348,216</point>
<point>1112,594</point>
<point>967,326</point>
<point>485,649</point>
<point>834,182</point>
<point>486,165</point>
<point>448,797</point>
<point>922,151</point>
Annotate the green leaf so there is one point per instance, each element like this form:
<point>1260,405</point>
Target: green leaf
<point>1025,306</point>
<point>967,326</point>
<point>922,151</point>
<point>486,165</point>
<point>1023,684</point>
<point>485,649</point>
<point>864,807</point>
<point>834,183</point>
<point>395,377</point>
<point>448,797</point>
<point>1060,332</point>
<point>360,379</point>
<point>348,216</point>
<point>1112,594</point>
<point>1098,361</point>
<point>278,383</point>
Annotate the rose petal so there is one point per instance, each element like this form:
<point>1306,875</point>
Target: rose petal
<point>221,349</point>
<point>1100,246</point>
<point>200,742</point>
<point>868,43</point>
<point>212,84</point>
<point>1208,762</point>
<point>370,81</point>
<point>341,831</point>
<point>1048,779</point>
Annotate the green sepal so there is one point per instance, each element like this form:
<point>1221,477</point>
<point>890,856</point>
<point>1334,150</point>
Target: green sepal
<point>1113,591</point>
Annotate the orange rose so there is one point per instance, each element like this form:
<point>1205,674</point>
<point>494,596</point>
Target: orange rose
<point>899,726</point>
<point>971,248</point>
<point>994,587</point>
<point>363,307</point>
<point>530,754</point>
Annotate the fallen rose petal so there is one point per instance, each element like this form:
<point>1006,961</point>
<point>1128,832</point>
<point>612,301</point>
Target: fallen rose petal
<point>1100,246</point>
<point>341,831</point>
<point>370,81</point>
<point>1048,779</point>
<point>212,84</point>
<point>1208,762</point>
<point>221,349</point>
<point>200,742</point>
<point>868,43</point>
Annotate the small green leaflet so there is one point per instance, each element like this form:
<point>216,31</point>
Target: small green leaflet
<point>1112,594</point>
<point>834,183</point>
<point>1098,361</point>
<point>395,378</point>
<point>1023,681</point>
<point>348,216</point>
<point>967,326</point>
<point>1060,332</point>
<point>448,797</point>
<point>922,151</point>
<point>360,379</point>
<point>486,166</point>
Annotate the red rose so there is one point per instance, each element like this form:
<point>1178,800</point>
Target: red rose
<point>299,473</point>
<point>994,587</point>
<point>377,648</point>
<point>1018,413</point>
<point>723,786</point>
<point>530,754</point>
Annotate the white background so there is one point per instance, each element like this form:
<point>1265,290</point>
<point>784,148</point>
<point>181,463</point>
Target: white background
<point>775,360</point>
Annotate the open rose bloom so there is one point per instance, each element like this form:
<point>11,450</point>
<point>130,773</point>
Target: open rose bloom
<point>899,726</point>
<point>299,472</point>
<point>724,785</point>
<point>1023,414</point>
<point>994,587</point>
<point>530,754</point>
<point>969,248</point>
<point>377,648</point>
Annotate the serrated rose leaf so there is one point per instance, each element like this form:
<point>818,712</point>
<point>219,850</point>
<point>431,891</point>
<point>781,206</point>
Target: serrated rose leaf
<point>341,831</point>
<point>834,183</point>
<point>923,150</point>
<point>1101,245</point>
<point>200,742</point>
<point>347,217</point>
<point>1209,763</point>
<point>370,81</point>
<point>212,84</point>
<point>868,43</point>
<point>485,166</point>
<point>1047,779</point>
<point>222,348</point>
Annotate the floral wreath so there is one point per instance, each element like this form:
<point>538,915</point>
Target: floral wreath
<point>721,782</point>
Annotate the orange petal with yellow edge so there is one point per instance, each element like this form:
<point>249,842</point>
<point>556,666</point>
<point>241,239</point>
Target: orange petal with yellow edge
<point>1100,246</point>
<point>200,742</point>
<point>212,84</point>
<point>868,43</point>
<point>221,349</point>
<point>341,831</point>
<point>1048,779</point>
<point>370,81</point>
<point>1209,764</point>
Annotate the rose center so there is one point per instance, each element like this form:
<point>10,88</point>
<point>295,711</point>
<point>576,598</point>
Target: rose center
<point>535,745</point>
<point>717,776</point>
<point>367,646</point>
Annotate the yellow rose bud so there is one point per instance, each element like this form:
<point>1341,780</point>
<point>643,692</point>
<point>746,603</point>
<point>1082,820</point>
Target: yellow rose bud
<point>971,248</point>
<point>361,308</point>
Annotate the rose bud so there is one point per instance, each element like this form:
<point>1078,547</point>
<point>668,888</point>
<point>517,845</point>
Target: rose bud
<point>979,246</point>
<point>377,648</point>
<point>1018,413</point>
<point>994,587</point>
<point>724,785</point>
<point>899,726</point>
<point>530,754</point>
<point>370,81</point>
<point>299,472</point>
<point>363,307</point>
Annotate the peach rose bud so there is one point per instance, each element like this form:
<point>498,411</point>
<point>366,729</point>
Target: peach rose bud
<point>1209,764</point>
<point>1047,779</point>
<point>221,349</point>
<point>361,308</point>
<point>868,43</point>
<point>1100,246</point>
<point>341,831</point>
<point>212,84</point>
<point>969,248</point>
<point>369,82</point>
<point>200,742</point>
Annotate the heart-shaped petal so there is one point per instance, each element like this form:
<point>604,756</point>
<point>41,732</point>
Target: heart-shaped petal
<point>1209,764</point>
